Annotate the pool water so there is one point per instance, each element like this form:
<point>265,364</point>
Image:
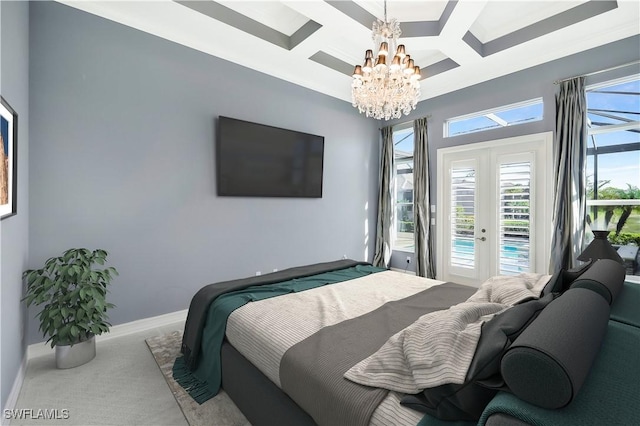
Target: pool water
<point>514,255</point>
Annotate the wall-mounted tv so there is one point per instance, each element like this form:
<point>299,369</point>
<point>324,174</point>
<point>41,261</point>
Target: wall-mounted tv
<point>255,160</point>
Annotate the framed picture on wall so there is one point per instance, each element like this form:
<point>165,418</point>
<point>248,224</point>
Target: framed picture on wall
<point>8,159</point>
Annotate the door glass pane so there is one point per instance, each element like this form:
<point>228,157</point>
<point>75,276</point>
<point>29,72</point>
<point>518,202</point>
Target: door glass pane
<point>463,190</point>
<point>404,214</point>
<point>515,208</point>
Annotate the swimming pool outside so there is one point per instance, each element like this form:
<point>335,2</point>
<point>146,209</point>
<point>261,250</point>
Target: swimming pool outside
<point>514,254</point>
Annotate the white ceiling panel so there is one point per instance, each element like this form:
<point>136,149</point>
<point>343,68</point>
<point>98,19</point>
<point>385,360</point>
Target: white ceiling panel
<point>426,57</point>
<point>500,18</point>
<point>405,10</point>
<point>272,14</point>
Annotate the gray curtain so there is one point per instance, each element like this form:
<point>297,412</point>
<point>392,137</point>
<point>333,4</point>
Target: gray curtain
<point>570,153</point>
<point>382,254</point>
<point>425,266</point>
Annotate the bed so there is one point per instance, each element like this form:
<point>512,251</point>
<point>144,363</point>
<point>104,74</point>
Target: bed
<point>295,355</point>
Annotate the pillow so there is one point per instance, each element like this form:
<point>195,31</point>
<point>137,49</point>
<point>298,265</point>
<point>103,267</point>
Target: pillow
<point>563,278</point>
<point>548,363</point>
<point>605,278</point>
<point>466,401</point>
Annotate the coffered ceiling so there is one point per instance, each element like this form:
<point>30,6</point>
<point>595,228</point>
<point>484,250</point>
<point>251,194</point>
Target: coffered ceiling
<point>315,43</point>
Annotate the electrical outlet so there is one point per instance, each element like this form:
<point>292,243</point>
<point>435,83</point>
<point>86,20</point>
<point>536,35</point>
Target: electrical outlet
<point>258,273</point>
<point>408,259</point>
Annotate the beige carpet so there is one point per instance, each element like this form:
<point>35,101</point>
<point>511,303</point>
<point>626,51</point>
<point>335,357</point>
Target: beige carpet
<point>120,387</point>
<point>218,411</point>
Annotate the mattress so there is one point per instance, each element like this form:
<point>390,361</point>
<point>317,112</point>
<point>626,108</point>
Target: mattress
<point>263,331</point>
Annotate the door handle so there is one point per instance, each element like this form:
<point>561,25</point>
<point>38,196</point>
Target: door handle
<point>481,238</point>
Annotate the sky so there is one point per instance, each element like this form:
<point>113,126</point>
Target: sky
<point>620,168</point>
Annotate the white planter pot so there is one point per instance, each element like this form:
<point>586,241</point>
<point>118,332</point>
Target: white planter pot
<point>76,355</point>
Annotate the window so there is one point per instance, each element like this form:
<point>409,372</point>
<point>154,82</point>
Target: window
<point>613,162</point>
<point>508,115</point>
<point>403,152</point>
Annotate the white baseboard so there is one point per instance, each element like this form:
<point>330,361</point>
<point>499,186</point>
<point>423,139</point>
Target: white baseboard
<point>15,391</point>
<point>403,271</point>
<point>40,349</point>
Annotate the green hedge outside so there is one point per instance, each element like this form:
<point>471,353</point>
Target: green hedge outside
<point>405,226</point>
<point>625,238</point>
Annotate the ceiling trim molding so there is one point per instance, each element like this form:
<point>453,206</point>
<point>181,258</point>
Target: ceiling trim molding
<point>438,67</point>
<point>330,61</point>
<point>355,12</point>
<point>318,49</point>
<point>303,33</point>
<point>409,29</point>
<point>250,26</point>
<point>546,26</point>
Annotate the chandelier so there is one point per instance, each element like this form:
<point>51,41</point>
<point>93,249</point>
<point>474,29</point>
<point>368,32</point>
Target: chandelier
<point>390,86</point>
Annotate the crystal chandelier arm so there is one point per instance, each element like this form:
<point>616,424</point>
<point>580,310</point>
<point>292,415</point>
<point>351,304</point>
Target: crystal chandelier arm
<point>385,11</point>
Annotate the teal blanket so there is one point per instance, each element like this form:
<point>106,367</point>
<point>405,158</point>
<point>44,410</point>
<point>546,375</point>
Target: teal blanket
<point>609,396</point>
<point>204,382</point>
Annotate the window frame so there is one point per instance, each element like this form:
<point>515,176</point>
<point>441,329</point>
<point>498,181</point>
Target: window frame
<point>491,115</point>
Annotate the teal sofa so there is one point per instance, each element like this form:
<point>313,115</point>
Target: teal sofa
<point>610,392</point>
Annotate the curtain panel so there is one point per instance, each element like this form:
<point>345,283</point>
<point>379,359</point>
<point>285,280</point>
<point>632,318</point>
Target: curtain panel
<point>382,254</point>
<point>425,267</point>
<point>570,153</point>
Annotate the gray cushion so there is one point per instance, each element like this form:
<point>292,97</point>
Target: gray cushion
<point>563,278</point>
<point>548,363</point>
<point>605,278</point>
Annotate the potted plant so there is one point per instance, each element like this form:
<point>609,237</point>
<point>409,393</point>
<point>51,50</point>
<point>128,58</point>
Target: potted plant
<point>75,308</point>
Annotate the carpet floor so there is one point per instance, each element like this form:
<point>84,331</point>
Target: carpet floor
<point>120,386</point>
<point>218,411</point>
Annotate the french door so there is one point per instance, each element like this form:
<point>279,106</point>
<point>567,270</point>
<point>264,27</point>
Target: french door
<point>494,206</point>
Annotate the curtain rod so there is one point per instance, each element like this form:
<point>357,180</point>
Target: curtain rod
<point>597,72</point>
<point>407,122</point>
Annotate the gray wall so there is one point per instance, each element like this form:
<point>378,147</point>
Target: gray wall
<point>14,50</point>
<point>122,158</point>
<point>527,84</point>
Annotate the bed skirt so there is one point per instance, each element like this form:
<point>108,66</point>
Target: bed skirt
<point>260,400</point>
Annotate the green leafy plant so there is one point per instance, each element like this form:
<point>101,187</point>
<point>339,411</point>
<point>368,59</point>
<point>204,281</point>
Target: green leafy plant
<point>74,295</point>
<point>625,238</point>
<point>624,214</point>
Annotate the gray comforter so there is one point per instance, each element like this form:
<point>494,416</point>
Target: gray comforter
<point>323,358</point>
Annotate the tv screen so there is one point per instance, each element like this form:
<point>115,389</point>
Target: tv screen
<point>254,160</point>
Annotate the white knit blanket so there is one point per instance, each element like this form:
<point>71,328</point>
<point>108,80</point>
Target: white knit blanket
<point>438,348</point>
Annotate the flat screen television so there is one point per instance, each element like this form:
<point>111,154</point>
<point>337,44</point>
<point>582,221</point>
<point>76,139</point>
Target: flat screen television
<point>255,160</point>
